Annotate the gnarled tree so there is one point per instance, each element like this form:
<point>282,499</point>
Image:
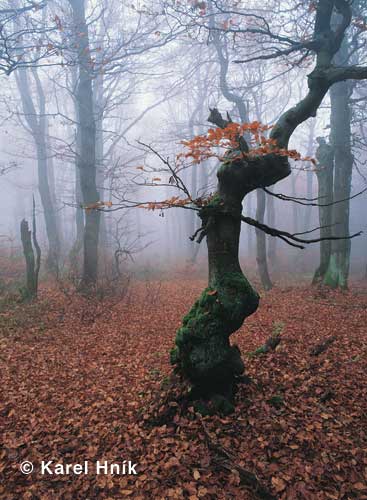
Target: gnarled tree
<point>203,352</point>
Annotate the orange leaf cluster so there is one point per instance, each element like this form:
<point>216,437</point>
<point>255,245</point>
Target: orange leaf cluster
<point>175,201</point>
<point>225,144</point>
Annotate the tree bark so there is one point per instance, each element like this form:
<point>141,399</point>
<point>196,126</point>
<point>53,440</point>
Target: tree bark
<point>340,122</point>
<point>37,124</point>
<point>99,104</point>
<point>309,174</point>
<point>272,247</point>
<point>261,257</point>
<point>31,282</point>
<point>79,212</point>
<point>324,172</point>
<point>203,351</point>
<point>86,160</point>
<point>32,263</point>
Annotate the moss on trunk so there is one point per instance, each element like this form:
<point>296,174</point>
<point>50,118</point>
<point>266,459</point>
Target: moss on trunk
<point>203,353</point>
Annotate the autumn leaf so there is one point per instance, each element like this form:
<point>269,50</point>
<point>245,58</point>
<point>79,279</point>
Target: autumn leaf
<point>196,475</point>
<point>360,486</point>
<point>278,484</point>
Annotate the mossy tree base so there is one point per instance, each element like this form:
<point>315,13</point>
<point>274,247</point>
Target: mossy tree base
<point>337,272</point>
<point>203,352</point>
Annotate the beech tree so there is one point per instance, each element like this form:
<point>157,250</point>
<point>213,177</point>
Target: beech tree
<point>105,57</point>
<point>36,119</point>
<point>203,353</point>
<point>86,161</point>
<point>325,174</point>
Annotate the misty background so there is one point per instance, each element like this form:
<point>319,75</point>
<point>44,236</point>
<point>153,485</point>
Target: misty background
<point>157,71</point>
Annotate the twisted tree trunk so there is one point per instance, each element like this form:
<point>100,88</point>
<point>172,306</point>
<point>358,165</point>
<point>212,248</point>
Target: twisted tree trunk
<point>203,352</point>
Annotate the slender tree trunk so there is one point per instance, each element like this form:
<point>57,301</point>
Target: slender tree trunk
<point>79,212</point>
<point>324,172</point>
<point>79,222</point>
<point>192,219</point>
<point>297,260</point>
<point>261,258</point>
<point>249,229</point>
<point>86,160</point>
<point>38,126</point>
<point>272,247</point>
<point>98,107</point>
<point>339,262</point>
<point>309,175</point>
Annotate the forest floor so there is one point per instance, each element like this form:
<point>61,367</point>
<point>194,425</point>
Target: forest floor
<point>80,381</point>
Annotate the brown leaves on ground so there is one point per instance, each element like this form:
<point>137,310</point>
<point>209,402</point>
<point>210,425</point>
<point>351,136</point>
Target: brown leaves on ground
<point>79,386</point>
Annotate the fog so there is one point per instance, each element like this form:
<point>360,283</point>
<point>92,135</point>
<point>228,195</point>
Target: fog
<point>156,73</point>
<point>183,265</point>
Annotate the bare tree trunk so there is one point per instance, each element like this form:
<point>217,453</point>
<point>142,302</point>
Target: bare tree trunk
<point>324,172</point>
<point>261,258</point>
<point>33,263</point>
<point>309,174</point>
<point>79,222</point>
<point>338,268</point>
<point>249,229</point>
<point>207,358</point>
<point>272,242</point>
<point>86,160</point>
<point>37,123</point>
<point>98,109</point>
<point>79,212</point>
<point>31,282</point>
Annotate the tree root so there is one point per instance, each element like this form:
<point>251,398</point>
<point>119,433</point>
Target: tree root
<point>270,345</point>
<point>322,346</point>
<point>226,460</point>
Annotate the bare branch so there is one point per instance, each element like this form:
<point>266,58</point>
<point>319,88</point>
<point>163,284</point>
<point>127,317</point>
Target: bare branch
<point>289,238</point>
<point>310,203</point>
